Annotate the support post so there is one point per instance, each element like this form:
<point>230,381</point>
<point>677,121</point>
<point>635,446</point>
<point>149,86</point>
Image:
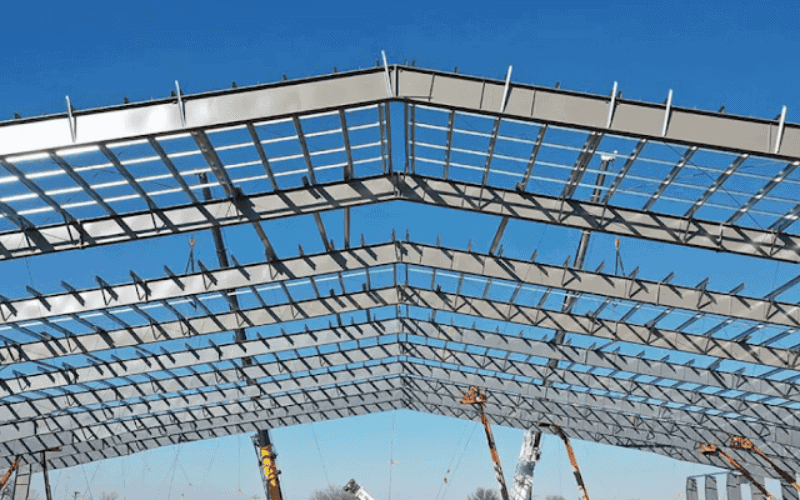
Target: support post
<point>48,493</point>
<point>733,486</point>
<point>22,482</point>
<point>711,488</point>
<point>580,255</point>
<point>691,488</point>
<point>222,259</point>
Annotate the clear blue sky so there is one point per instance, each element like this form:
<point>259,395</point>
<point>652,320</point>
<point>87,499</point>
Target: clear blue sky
<point>740,54</point>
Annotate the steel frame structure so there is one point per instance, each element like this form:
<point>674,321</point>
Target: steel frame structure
<point>124,367</point>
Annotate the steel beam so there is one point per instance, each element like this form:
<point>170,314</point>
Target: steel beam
<point>590,112</point>
<point>254,411</point>
<point>413,327</point>
<point>506,407</point>
<point>603,218</point>
<point>632,157</point>
<point>594,357</point>
<point>464,196</point>
<point>581,164</point>
<point>415,85</point>
<point>410,252</point>
<point>189,218</point>
<point>492,341</point>
<point>769,186</point>
<point>224,322</point>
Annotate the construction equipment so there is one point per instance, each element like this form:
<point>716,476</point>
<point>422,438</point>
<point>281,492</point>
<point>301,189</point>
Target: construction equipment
<point>712,449</point>
<point>558,431</point>
<point>528,457</point>
<point>743,443</point>
<point>267,455</point>
<point>474,397</point>
<point>7,476</point>
<point>357,490</point>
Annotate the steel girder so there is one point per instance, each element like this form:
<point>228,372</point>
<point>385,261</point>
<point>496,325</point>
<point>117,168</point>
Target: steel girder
<point>435,257</point>
<point>187,218</point>
<point>490,265</point>
<point>651,368</point>
<point>179,398</point>
<point>436,301</point>
<point>599,217</point>
<point>503,365</point>
<point>412,345</point>
<point>532,207</point>
<point>430,87</point>
<point>108,421</point>
<point>418,391</point>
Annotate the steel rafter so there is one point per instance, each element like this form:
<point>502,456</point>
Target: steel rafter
<point>603,218</point>
<point>566,376</point>
<point>415,85</point>
<point>658,293</point>
<point>431,392</point>
<point>113,448</point>
<point>463,336</point>
<point>590,325</point>
<point>522,206</point>
<point>147,370</point>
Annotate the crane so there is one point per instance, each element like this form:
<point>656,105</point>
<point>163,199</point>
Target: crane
<point>357,490</point>
<point>7,476</point>
<point>712,449</point>
<point>528,456</point>
<point>474,397</point>
<point>571,454</point>
<point>743,443</point>
<point>267,455</point>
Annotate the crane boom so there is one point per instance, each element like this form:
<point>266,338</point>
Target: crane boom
<point>266,455</point>
<point>584,495</point>
<point>474,397</point>
<point>712,449</point>
<point>7,476</point>
<point>528,457</point>
<point>357,490</point>
<point>743,443</point>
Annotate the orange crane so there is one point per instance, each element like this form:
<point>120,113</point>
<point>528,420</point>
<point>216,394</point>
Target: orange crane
<point>11,470</point>
<point>743,443</point>
<point>712,449</point>
<point>474,397</point>
<point>584,495</point>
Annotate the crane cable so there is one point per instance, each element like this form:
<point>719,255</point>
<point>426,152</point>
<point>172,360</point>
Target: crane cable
<point>172,471</point>
<point>453,458</point>
<point>316,441</point>
<point>391,455</point>
<point>459,458</point>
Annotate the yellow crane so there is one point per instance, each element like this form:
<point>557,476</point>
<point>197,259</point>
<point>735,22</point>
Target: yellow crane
<point>474,397</point>
<point>267,456</point>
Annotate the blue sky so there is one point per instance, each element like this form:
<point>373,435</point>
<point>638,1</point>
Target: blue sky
<point>737,54</point>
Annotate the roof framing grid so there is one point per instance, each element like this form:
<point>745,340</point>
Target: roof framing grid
<point>138,379</point>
